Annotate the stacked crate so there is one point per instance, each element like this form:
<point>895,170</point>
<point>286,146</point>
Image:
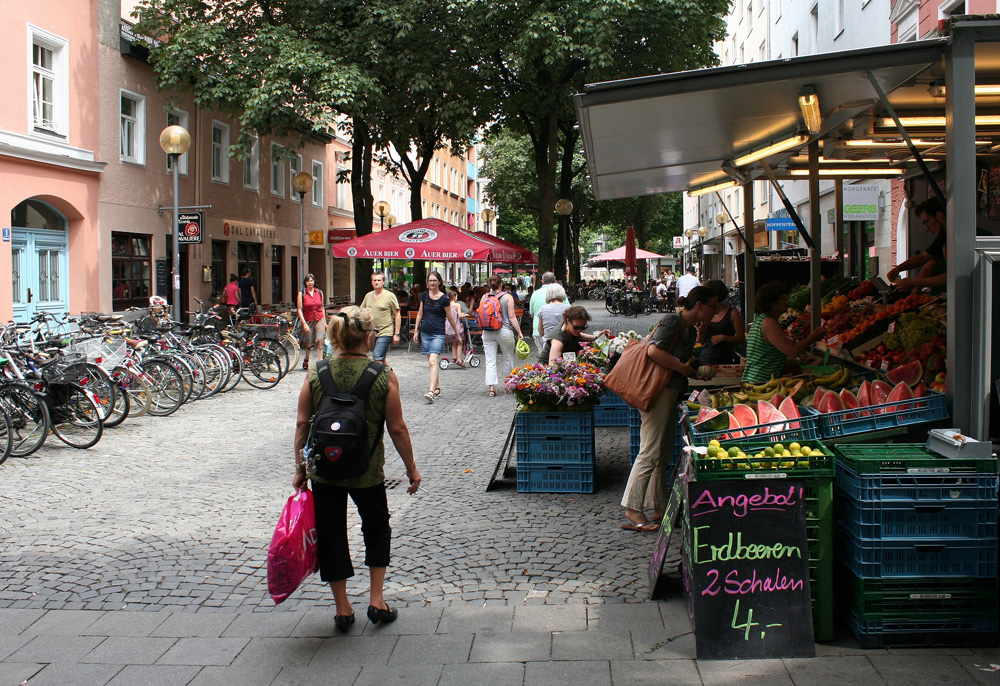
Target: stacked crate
<point>612,411</point>
<point>917,538</point>
<point>816,471</point>
<point>634,425</point>
<point>555,452</point>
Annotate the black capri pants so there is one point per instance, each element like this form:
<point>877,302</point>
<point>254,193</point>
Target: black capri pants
<point>331,528</point>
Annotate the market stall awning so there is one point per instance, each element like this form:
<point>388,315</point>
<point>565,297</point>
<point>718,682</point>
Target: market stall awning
<point>618,255</point>
<point>676,132</point>
<point>430,240</point>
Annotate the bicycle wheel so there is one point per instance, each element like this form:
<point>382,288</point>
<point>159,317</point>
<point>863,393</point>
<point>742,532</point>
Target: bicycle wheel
<point>279,350</point>
<point>197,374</point>
<point>93,378</point>
<point>139,392</point>
<point>216,366</point>
<point>261,367</point>
<point>6,435</point>
<point>76,419</point>
<point>291,344</point>
<point>167,387</point>
<point>29,418</point>
<point>186,374</point>
<point>235,366</point>
<point>595,293</point>
<point>121,409</point>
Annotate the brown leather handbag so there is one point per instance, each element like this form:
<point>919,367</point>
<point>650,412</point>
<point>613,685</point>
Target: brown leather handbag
<point>636,378</point>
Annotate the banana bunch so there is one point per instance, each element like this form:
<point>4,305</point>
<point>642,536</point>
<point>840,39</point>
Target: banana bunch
<point>838,379</point>
<point>722,399</point>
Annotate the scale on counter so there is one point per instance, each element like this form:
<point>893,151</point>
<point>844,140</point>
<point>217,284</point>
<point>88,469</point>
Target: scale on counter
<point>881,286</point>
<point>952,443</point>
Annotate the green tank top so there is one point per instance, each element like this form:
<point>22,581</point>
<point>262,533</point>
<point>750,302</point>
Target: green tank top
<point>763,359</point>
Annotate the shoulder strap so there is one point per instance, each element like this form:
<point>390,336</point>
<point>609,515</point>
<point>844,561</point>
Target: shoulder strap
<point>367,379</point>
<point>326,378</point>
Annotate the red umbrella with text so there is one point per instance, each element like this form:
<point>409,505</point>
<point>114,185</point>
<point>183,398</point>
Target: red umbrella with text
<point>631,264</point>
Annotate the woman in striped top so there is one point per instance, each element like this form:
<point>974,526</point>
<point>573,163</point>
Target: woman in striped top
<point>768,348</point>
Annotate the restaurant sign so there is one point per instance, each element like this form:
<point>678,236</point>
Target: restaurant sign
<point>252,231</point>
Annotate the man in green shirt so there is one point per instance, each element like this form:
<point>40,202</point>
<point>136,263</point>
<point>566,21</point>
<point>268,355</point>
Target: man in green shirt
<point>385,314</point>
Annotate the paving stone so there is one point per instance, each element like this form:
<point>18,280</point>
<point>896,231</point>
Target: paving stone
<point>511,647</point>
<point>18,672</point>
<point>16,621</point>
<point>555,618</point>
<point>898,670</point>
<point>726,672</point>
<point>278,651</point>
<point>411,675</point>
<point>656,673</point>
<point>496,674</point>
<point>79,675</point>
<point>8,644</point>
<point>411,621</point>
<point>626,617</point>
<point>467,620</point>
<point>129,650</point>
<point>567,673</point>
<point>682,646</point>
<point>261,624</point>
<point>258,675</point>
<point>591,645</point>
<point>55,649</point>
<point>160,675</point>
<point>203,625</point>
<point>822,671</point>
<point>203,651</point>
<point>126,624</point>
<point>344,675</point>
<point>982,670</point>
<point>63,623</point>
<point>353,650</point>
<point>435,650</point>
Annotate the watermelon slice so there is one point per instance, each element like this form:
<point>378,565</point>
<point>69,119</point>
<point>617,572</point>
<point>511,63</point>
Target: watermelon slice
<point>865,398</point>
<point>850,402</point>
<point>818,397</point>
<point>747,418</point>
<point>910,374</point>
<point>879,393</point>
<point>768,415</point>
<point>716,422</point>
<point>705,413</point>
<point>831,402</point>
<point>734,425</point>
<point>776,400</point>
<point>900,392</point>
<point>920,391</point>
<point>788,408</point>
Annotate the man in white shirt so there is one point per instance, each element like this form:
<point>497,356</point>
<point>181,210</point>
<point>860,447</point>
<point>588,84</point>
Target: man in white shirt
<point>536,303</point>
<point>661,294</point>
<point>685,284</point>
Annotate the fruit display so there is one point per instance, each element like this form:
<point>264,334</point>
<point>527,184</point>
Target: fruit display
<point>760,456</point>
<point>913,330</point>
<point>867,288</point>
<point>878,395</point>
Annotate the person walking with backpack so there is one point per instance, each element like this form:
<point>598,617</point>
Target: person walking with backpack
<point>351,334</point>
<point>435,309</point>
<point>496,317</point>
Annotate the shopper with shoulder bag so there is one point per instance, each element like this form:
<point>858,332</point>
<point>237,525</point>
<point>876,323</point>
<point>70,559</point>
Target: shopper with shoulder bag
<point>670,347</point>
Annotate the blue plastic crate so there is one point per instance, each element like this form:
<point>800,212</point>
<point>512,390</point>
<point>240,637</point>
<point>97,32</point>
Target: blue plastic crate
<point>895,633</point>
<point>542,424</point>
<point>919,519</point>
<point>634,426</point>
<point>612,399</point>
<point>554,479</point>
<point>916,486</point>
<point>612,415</point>
<point>557,450</point>
<point>876,559</point>
<point>933,407</point>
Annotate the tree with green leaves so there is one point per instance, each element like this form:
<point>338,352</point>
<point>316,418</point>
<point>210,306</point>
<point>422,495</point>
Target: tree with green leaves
<point>537,54</point>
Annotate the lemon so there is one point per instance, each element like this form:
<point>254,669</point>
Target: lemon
<point>713,451</point>
<point>715,442</point>
<point>794,446</point>
<point>802,464</point>
<point>806,450</point>
<point>743,465</point>
<point>769,452</point>
<point>778,448</point>
<point>787,465</point>
<point>796,453</point>
<point>786,453</point>
<point>734,451</point>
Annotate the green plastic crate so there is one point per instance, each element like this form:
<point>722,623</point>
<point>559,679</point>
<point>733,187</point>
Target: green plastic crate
<point>820,466</point>
<point>944,598</point>
<point>878,458</point>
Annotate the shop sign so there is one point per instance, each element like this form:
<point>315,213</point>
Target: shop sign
<point>746,569</point>
<point>678,242</point>
<point>315,238</point>
<point>340,235</point>
<point>860,203</point>
<point>780,224</point>
<point>189,227</point>
<point>760,239</point>
<point>709,250</point>
<point>244,230</point>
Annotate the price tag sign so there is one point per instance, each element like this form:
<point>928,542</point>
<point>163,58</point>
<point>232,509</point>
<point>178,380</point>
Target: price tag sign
<point>569,357</point>
<point>693,397</point>
<point>885,365</point>
<point>892,327</point>
<point>833,340</point>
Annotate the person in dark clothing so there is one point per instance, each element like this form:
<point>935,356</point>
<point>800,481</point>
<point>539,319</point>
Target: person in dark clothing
<point>248,291</point>
<point>932,261</point>
<point>725,330</point>
<point>568,337</point>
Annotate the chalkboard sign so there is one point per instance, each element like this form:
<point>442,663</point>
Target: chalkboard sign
<point>746,568</point>
<point>674,504</point>
<point>163,277</point>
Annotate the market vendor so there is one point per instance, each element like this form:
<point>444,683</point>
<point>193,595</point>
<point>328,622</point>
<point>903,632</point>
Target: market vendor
<point>932,263</point>
<point>568,337</point>
<point>768,348</point>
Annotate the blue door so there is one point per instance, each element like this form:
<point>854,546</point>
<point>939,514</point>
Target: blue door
<point>39,267</point>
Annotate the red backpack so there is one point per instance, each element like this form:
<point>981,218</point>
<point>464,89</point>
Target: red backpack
<point>489,313</point>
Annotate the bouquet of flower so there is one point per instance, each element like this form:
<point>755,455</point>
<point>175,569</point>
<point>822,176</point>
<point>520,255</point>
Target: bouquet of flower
<point>593,354</point>
<point>562,386</point>
<point>613,348</point>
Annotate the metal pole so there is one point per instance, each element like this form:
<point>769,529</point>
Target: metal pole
<point>177,245</point>
<point>302,241</point>
<point>815,249</point>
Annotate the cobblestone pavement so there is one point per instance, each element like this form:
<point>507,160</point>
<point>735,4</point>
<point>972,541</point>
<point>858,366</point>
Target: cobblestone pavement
<point>177,512</point>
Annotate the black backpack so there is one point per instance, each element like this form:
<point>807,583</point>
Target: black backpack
<point>338,437</point>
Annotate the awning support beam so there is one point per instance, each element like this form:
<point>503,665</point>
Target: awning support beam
<point>906,137</point>
<point>788,205</point>
<point>743,238</point>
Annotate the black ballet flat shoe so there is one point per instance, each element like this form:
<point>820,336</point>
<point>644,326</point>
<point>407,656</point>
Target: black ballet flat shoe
<point>376,615</point>
<point>344,622</point>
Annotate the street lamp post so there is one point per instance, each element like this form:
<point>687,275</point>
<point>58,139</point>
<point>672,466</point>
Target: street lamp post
<point>702,234</point>
<point>685,260</point>
<point>175,141</point>
<point>302,183</point>
<point>720,219</point>
<point>563,208</point>
<point>382,211</point>
<point>487,216</point>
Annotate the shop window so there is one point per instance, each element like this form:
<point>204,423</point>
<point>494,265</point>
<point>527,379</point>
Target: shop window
<point>248,257</point>
<point>131,270</point>
<point>220,279</point>
<point>277,282</point>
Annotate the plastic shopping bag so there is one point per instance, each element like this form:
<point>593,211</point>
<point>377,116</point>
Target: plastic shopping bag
<point>292,555</point>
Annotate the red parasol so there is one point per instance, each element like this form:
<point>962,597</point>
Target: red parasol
<point>421,240</point>
<point>618,255</point>
<point>507,252</point>
<point>631,265</point>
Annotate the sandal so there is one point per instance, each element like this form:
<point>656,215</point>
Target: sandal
<point>492,393</point>
<point>305,365</point>
<point>430,397</point>
<point>437,393</point>
<point>646,527</point>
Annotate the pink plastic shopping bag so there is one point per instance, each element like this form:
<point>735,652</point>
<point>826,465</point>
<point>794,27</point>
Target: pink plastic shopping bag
<point>292,554</point>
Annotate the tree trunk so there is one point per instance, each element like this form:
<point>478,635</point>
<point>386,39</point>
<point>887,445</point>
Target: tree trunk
<point>361,193</point>
<point>416,174</point>
<point>546,153</point>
